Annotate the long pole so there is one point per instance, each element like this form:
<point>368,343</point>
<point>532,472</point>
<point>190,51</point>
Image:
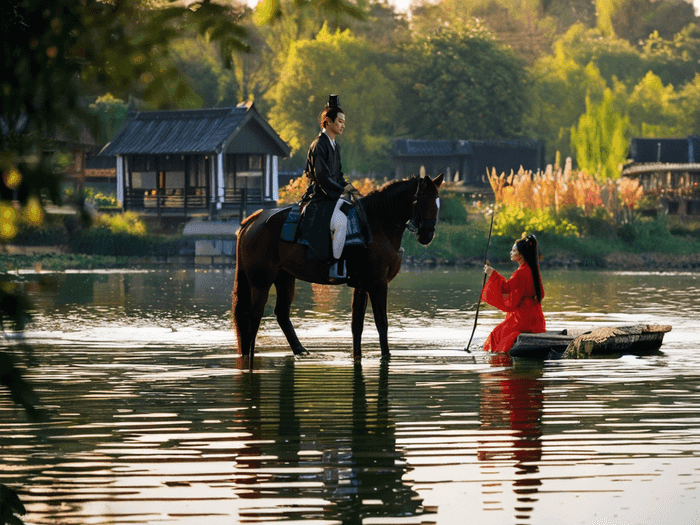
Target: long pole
<point>486,260</point>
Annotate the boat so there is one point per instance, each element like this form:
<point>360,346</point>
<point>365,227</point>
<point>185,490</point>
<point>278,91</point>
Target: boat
<point>608,341</point>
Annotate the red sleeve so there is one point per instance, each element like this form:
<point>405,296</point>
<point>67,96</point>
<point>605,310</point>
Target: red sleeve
<point>504,294</point>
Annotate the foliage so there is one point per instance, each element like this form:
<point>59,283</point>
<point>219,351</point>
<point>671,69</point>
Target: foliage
<point>292,192</point>
<point>654,109</point>
<point>463,84</point>
<point>96,199</point>
<point>452,211</point>
<point>450,242</point>
<point>120,235</point>
<point>61,50</point>
<point>558,97</point>
<point>111,113</point>
<point>267,11</point>
<point>549,190</point>
<point>523,25</point>
<point>561,202</point>
<point>674,58</point>
<point>652,235</point>
<point>203,68</point>
<point>315,68</point>
<point>601,139</point>
<point>127,223</point>
<point>513,221</point>
<point>635,20</point>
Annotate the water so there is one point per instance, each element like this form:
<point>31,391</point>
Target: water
<point>155,420</point>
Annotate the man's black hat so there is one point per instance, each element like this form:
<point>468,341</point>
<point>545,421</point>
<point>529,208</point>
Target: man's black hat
<point>333,101</point>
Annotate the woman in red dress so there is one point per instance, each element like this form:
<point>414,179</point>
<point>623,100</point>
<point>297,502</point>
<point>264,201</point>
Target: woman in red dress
<point>518,296</point>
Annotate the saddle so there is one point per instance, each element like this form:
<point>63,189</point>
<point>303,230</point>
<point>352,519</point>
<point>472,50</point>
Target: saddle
<point>293,226</point>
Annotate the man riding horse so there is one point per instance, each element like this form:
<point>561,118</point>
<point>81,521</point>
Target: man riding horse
<point>329,196</point>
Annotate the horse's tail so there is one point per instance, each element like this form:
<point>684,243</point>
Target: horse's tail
<point>241,297</point>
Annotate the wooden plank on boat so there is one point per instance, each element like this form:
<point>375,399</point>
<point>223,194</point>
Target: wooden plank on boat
<point>637,340</point>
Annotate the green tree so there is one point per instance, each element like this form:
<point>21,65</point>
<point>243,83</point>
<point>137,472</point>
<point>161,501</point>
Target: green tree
<point>111,113</point>
<point>559,89</point>
<point>203,69</point>
<point>601,139</point>
<point>635,20</point>
<point>674,59</point>
<point>335,62</point>
<point>462,83</point>
<point>64,49</point>
<point>654,110</point>
<point>689,101</point>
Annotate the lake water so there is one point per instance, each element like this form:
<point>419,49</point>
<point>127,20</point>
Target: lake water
<point>153,418</point>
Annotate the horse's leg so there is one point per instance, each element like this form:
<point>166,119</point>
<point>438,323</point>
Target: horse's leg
<point>257,309</point>
<point>285,295</point>
<point>378,296</point>
<point>241,310</point>
<point>359,307</point>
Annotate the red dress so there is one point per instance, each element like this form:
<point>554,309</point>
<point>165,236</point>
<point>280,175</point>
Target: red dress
<point>515,296</point>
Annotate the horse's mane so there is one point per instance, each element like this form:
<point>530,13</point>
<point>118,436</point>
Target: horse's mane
<point>384,197</point>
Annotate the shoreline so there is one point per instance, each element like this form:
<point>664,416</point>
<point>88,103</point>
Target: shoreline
<point>59,258</point>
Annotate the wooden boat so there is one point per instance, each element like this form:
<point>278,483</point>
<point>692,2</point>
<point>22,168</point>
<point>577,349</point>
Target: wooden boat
<point>601,342</point>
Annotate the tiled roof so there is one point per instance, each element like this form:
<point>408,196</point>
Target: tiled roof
<point>185,131</point>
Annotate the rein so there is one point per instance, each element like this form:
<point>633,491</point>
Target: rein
<point>387,205</point>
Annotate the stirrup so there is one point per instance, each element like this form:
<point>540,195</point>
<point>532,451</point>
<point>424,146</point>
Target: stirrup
<point>335,273</point>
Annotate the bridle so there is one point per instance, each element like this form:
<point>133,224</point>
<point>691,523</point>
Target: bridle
<point>417,225</point>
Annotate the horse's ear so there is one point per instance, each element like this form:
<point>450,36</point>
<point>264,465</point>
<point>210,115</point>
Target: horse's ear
<point>438,180</point>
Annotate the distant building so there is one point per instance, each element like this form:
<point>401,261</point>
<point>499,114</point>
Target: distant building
<point>465,160</point>
<point>217,162</point>
<point>669,168</point>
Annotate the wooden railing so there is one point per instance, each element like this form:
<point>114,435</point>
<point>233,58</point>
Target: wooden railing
<point>193,199</point>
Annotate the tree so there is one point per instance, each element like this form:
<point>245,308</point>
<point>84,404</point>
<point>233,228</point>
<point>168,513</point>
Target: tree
<point>653,109</point>
<point>674,59</point>
<point>461,84</point>
<point>111,113</point>
<point>558,94</point>
<point>689,101</point>
<point>64,49</point>
<point>601,138</point>
<point>335,62</point>
<point>635,20</point>
<point>203,69</point>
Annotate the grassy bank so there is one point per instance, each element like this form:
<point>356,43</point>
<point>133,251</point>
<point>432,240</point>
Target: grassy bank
<point>466,245</point>
<point>461,238</point>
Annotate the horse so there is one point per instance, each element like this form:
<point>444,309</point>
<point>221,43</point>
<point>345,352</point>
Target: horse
<point>263,259</point>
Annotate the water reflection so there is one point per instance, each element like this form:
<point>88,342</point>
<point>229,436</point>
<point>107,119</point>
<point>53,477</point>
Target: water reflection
<point>347,464</point>
<point>511,412</point>
<point>340,451</point>
<point>154,420</point>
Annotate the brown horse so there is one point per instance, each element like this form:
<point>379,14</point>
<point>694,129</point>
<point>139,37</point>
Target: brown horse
<point>262,259</point>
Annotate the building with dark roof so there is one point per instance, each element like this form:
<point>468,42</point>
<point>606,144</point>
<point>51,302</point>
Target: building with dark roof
<point>670,169</point>
<point>465,160</point>
<point>216,162</point>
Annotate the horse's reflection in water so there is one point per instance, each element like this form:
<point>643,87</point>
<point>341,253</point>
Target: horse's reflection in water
<point>262,260</point>
<point>332,453</point>
<point>512,402</point>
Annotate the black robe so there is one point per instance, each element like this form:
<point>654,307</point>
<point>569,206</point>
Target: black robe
<point>327,183</point>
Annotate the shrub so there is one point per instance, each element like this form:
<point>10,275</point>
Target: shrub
<point>119,234</point>
<point>514,221</point>
<point>452,211</point>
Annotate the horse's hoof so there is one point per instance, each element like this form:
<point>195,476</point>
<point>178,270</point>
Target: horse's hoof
<point>300,351</point>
